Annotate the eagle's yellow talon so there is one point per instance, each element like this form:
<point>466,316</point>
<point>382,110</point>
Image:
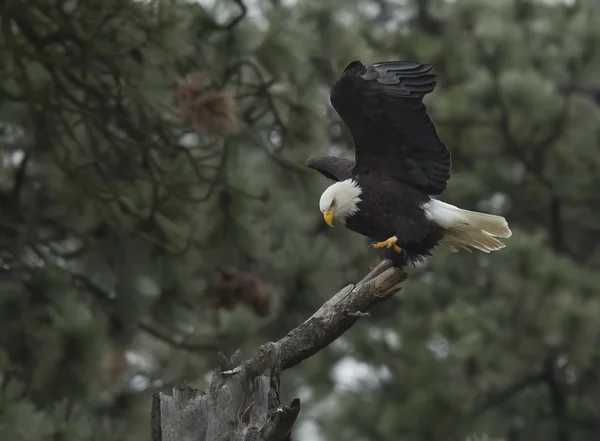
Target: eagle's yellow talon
<point>390,243</point>
<point>379,245</point>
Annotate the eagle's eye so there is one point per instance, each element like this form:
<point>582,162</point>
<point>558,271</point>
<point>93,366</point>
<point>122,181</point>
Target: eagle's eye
<point>333,204</point>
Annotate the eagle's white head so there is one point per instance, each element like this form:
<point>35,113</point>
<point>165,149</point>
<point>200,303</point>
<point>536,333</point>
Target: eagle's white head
<point>340,200</point>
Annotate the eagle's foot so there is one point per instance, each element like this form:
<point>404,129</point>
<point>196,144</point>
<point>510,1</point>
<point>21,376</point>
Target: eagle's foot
<point>389,243</point>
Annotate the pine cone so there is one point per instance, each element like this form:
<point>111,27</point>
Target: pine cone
<point>210,111</point>
<point>255,294</point>
<point>230,286</point>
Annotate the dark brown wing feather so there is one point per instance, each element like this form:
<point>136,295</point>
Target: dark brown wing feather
<point>382,105</point>
<point>336,169</point>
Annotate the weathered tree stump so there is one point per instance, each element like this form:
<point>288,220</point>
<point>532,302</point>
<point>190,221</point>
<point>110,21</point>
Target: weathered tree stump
<point>242,401</point>
<point>241,404</point>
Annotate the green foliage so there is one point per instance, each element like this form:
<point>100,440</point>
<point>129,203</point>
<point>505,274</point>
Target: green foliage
<point>119,206</point>
<point>498,344</point>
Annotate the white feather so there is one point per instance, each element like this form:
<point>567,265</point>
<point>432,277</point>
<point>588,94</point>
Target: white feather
<point>467,228</point>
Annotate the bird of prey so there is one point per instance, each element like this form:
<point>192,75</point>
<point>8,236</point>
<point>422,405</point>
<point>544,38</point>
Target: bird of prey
<point>400,163</point>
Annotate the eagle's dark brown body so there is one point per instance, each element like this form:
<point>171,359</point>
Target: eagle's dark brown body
<point>400,161</point>
<point>402,217</point>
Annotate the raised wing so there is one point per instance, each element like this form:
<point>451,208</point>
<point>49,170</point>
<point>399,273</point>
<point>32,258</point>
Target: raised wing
<point>336,169</point>
<point>382,105</point>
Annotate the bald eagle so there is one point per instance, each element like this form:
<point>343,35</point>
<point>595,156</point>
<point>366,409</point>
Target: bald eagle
<point>400,163</point>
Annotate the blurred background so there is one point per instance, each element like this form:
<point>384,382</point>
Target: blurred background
<point>155,209</point>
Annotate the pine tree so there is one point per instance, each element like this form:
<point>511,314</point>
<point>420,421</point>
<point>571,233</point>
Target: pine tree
<point>503,344</point>
<point>155,210</point>
<point>155,207</point>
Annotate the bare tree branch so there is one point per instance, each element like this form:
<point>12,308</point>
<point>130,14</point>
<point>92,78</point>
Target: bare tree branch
<point>336,316</point>
<point>242,402</point>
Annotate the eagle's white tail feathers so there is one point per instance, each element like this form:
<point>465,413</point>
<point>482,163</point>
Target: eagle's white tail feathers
<point>466,228</point>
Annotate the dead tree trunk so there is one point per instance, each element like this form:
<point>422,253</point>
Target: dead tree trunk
<point>242,402</point>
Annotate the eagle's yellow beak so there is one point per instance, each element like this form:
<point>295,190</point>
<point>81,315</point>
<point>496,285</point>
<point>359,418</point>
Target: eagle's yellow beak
<point>328,216</point>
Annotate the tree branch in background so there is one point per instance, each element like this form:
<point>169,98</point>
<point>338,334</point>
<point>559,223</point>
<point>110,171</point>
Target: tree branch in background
<point>426,20</point>
<point>500,397</point>
<point>239,17</point>
<point>558,399</point>
<point>243,397</point>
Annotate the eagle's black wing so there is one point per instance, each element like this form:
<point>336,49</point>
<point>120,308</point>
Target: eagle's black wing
<point>336,169</point>
<point>382,105</point>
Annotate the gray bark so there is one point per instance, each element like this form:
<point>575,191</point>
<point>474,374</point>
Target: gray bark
<point>242,401</point>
